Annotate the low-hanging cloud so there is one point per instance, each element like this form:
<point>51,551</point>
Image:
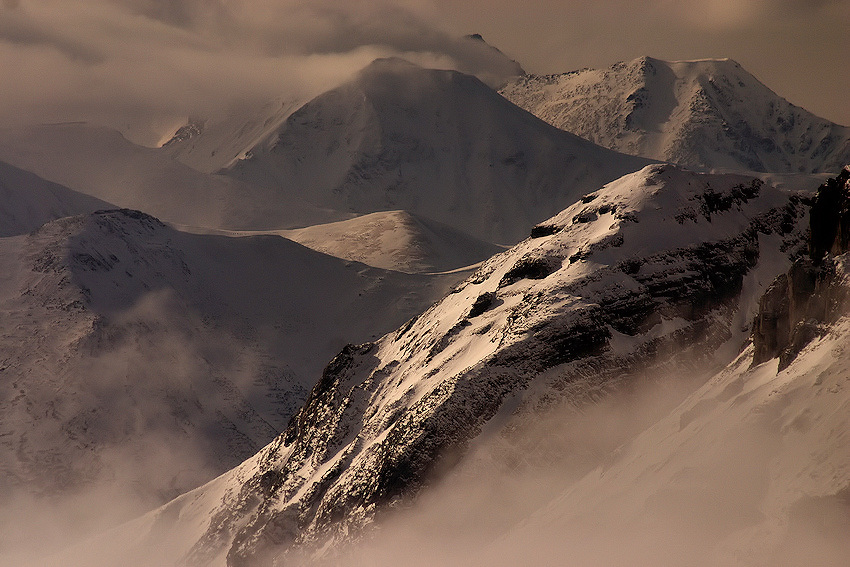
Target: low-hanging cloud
<point>721,14</point>
<point>141,65</point>
<point>159,399</point>
<point>582,485</point>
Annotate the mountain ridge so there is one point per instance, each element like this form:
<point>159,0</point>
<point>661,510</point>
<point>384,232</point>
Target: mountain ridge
<point>403,137</point>
<point>144,360</point>
<point>27,201</point>
<point>590,287</point>
<point>395,240</point>
<point>704,113</point>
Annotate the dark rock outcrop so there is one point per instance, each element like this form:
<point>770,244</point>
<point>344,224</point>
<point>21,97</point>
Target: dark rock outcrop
<point>798,305</point>
<point>830,218</point>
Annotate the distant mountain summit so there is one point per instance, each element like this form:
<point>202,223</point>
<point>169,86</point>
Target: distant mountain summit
<point>440,144</point>
<point>501,68</point>
<point>209,143</point>
<point>704,114</point>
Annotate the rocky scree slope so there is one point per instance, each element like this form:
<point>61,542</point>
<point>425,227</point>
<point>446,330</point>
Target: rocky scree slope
<point>708,114</point>
<point>439,144</point>
<point>661,268</point>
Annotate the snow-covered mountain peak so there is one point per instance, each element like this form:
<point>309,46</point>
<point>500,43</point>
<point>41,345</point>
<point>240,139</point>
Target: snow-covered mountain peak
<point>749,468</point>
<point>397,81</point>
<point>704,113</point>
<point>501,68</point>
<point>664,195</point>
<point>391,64</point>
<point>659,269</point>
<point>436,143</point>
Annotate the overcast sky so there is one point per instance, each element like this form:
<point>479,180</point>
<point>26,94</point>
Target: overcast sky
<point>131,62</point>
<point>799,48</point>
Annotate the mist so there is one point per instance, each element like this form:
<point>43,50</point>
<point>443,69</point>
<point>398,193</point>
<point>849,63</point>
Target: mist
<point>670,468</point>
<point>739,467</point>
<point>674,471</point>
<point>144,66</point>
<point>155,405</point>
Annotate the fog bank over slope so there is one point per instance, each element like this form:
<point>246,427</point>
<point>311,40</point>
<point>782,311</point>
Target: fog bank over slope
<point>655,274</point>
<point>140,361</point>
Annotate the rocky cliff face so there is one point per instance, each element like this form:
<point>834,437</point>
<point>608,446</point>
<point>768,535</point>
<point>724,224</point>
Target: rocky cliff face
<point>659,269</point>
<point>800,304</point>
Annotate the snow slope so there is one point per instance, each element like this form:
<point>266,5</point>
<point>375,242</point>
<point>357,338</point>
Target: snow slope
<point>395,240</point>
<point>148,360</point>
<point>659,269</point>
<point>102,163</point>
<point>208,144</point>
<point>28,201</point>
<point>439,144</point>
<point>750,470</point>
<point>708,114</point>
<point>391,240</point>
